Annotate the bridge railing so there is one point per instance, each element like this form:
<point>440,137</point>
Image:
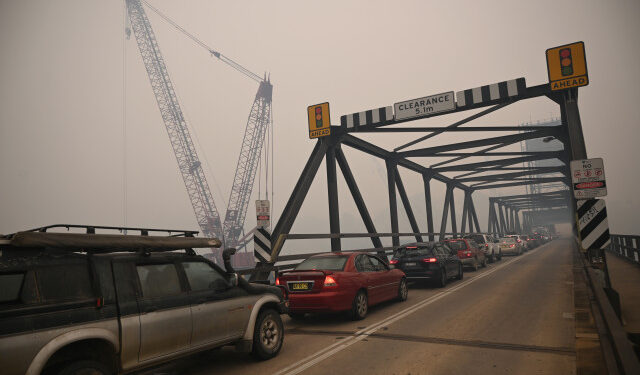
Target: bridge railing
<point>627,246</point>
<point>287,261</point>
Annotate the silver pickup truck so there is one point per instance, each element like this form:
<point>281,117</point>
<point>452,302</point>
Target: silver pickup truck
<point>77,303</point>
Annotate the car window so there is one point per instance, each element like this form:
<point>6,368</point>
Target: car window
<point>363,264</point>
<point>158,280</point>
<point>329,263</point>
<point>476,237</point>
<point>10,286</point>
<point>202,276</point>
<point>441,251</point>
<point>378,264</point>
<point>508,239</point>
<point>416,251</point>
<point>457,245</point>
<point>64,282</point>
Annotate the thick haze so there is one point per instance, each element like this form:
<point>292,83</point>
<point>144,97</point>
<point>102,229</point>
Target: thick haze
<point>65,121</point>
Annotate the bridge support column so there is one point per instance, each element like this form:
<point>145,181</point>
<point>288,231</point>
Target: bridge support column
<point>465,214</point>
<point>332,190</point>
<point>454,225</point>
<point>393,204</point>
<point>427,198</point>
<point>445,212</point>
<point>474,216</point>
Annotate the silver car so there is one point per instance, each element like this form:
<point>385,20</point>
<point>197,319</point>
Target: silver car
<point>510,246</point>
<point>74,303</point>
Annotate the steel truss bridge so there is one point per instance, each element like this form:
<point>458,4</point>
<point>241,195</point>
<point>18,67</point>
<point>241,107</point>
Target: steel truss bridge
<point>518,213</point>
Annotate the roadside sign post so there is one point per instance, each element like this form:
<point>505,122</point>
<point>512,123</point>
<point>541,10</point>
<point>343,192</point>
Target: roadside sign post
<point>263,213</point>
<point>587,177</point>
<point>319,121</point>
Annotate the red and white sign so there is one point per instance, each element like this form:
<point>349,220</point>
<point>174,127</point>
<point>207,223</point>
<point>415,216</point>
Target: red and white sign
<point>588,178</point>
<point>263,213</point>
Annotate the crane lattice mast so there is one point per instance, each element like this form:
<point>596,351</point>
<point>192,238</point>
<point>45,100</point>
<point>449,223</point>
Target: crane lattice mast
<point>179,136</point>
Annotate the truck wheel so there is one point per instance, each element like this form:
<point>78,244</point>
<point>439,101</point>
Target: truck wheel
<point>268,335</point>
<point>87,367</point>
<point>360,306</point>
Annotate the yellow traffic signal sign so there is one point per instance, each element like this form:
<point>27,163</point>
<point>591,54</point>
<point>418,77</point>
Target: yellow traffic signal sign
<point>319,122</point>
<point>567,66</point>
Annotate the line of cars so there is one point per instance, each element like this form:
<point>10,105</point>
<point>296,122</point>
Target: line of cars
<point>75,303</point>
<point>351,282</point>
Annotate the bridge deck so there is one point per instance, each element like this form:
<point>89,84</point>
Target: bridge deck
<point>625,279</point>
<point>515,316</point>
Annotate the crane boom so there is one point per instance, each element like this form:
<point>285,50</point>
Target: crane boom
<point>179,136</point>
<point>248,162</point>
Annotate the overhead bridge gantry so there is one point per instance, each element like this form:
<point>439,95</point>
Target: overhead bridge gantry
<point>505,169</point>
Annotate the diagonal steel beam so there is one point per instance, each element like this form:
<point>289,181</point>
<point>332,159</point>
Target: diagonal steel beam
<point>493,164</point>
<point>506,140</point>
<point>455,125</point>
<point>407,205</point>
<point>357,196</point>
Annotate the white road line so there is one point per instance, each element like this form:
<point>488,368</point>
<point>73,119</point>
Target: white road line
<point>330,350</point>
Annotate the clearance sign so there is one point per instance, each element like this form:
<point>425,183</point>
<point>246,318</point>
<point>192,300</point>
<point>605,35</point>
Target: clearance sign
<point>319,122</point>
<point>567,66</point>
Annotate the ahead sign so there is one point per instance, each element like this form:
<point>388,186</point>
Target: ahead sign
<point>567,66</point>
<point>425,106</point>
<point>588,178</point>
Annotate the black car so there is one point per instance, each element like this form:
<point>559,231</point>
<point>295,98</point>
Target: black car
<point>428,261</point>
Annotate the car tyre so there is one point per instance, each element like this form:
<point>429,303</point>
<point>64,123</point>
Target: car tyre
<point>86,367</point>
<point>443,278</point>
<point>484,262</point>
<point>475,264</point>
<point>403,290</point>
<point>268,335</point>
<point>359,306</point>
<point>460,272</point>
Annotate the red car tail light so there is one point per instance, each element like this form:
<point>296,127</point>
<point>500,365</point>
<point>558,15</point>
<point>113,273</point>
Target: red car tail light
<point>429,260</point>
<point>512,245</point>
<point>278,281</point>
<point>393,261</point>
<point>329,281</point>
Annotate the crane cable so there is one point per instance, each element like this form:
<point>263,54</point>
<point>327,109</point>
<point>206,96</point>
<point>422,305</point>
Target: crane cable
<point>202,44</point>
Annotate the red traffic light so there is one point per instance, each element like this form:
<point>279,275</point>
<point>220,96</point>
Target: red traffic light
<point>565,52</point>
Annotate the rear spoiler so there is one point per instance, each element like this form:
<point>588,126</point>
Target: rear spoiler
<point>324,272</point>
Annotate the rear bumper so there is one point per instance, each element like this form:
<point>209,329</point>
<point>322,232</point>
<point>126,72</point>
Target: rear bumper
<point>468,262</point>
<point>320,302</point>
<point>510,250</point>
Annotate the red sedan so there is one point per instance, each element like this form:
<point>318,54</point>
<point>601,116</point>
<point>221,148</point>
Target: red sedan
<point>348,282</point>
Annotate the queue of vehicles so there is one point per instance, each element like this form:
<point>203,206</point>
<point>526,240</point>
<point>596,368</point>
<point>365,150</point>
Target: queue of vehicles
<point>76,303</point>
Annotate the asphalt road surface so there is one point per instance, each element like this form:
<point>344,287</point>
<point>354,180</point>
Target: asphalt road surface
<point>514,317</point>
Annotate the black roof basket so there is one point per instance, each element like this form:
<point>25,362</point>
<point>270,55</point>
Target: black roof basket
<point>91,229</point>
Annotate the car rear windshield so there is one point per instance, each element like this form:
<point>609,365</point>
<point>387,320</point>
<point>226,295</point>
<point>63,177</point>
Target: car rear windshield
<point>329,263</point>
<point>507,239</point>
<point>476,237</point>
<point>457,245</point>
<point>415,251</point>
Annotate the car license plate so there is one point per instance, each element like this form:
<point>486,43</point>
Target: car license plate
<point>300,286</point>
<point>411,264</point>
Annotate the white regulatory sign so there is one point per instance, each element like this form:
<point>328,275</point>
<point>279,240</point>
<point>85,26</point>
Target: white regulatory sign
<point>587,177</point>
<point>263,213</point>
<point>425,106</point>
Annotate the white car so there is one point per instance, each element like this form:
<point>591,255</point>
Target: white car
<point>489,244</point>
<point>510,245</point>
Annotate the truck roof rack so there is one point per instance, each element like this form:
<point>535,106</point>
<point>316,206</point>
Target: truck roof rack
<point>91,242</point>
<point>91,229</point>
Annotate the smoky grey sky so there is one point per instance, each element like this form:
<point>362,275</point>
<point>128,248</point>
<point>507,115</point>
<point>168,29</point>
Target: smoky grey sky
<point>76,106</point>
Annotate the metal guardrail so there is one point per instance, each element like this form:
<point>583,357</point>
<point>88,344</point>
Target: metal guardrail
<point>627,246</point>
<point>387,250</point>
